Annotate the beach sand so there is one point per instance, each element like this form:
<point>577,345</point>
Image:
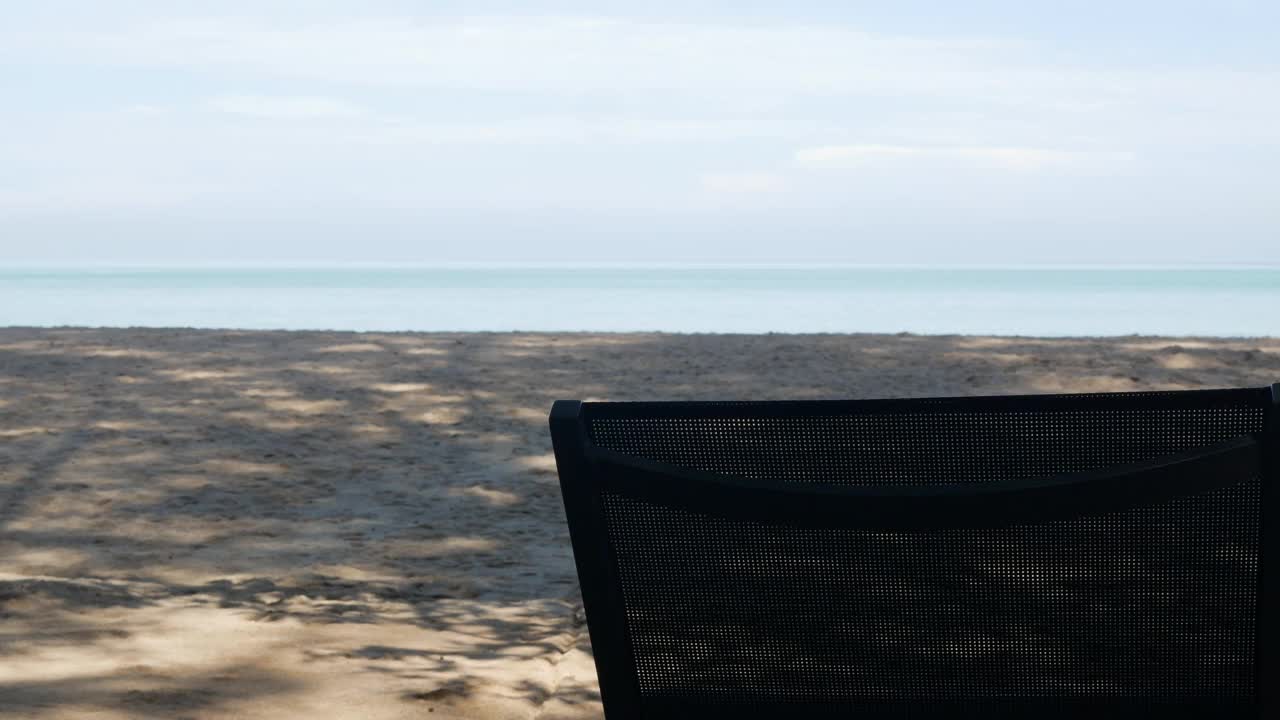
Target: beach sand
<point>223,524</point>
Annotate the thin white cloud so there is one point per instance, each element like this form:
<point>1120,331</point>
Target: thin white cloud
<point>145,110</point>
<point>564,112</point>
<point>1012,158</point>
<point>580,55</point>
<point>107,191</point>
<point>636,127</point>
<point>743,183</point>
<point>531,53</point>
<point>707,72</point>
<point>284,107</point>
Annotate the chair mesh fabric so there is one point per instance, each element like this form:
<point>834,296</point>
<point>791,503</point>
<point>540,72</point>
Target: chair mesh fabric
<point>1154,602</point>
<point>1150,603</point>
<point>922,448</point>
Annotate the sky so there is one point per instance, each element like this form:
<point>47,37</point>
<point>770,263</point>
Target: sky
<point>935,133</point>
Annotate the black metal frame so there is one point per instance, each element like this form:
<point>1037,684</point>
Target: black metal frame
<point>587,471</point>
<point>1268,649</point>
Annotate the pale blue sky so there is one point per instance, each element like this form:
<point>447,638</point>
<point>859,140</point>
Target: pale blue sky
<point>376,131</point>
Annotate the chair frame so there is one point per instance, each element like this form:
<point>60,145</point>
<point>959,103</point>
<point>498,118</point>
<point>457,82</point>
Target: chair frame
<point>582,481</point>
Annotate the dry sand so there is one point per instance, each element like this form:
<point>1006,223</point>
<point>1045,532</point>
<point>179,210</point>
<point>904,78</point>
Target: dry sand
<point>206,524</point>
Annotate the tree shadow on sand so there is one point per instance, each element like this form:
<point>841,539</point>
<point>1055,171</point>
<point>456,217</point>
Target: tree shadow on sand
<point>389,497</point>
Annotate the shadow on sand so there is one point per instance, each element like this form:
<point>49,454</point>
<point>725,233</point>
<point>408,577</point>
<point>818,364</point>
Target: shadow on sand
<point>349,489</point>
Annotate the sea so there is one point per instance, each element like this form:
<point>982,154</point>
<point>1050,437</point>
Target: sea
<point>1075,301</point>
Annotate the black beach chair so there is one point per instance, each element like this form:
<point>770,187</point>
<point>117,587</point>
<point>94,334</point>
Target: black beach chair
<point>1094,556</point>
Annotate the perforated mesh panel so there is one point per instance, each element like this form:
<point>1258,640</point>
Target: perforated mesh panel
<point>1152,602</point>
<point>922,447</point>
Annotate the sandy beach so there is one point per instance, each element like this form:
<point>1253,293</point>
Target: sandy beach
<point>224,524</point>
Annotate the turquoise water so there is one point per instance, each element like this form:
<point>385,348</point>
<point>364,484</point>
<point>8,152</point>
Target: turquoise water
<point>1217,302</point>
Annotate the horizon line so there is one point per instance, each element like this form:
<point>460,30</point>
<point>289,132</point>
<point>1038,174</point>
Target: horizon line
<point>614,265</point>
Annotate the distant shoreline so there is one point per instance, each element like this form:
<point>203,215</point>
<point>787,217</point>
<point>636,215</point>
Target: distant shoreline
<point>1211,339</point>
<point>1044,302</point>
<point>482,265</point>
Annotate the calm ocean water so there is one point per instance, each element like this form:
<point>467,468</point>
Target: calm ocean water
<point>1221,302</point>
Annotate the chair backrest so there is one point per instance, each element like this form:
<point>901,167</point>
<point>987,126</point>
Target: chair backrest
<point>1009,557</point>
